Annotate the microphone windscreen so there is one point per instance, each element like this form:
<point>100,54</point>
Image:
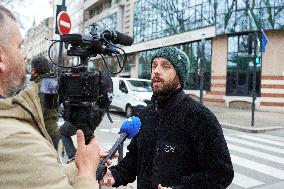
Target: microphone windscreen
<point>131,126</point>
<point>123,39</point>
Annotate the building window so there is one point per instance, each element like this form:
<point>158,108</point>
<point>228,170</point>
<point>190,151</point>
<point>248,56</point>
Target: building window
<point>144,66</point>
<point>243,15</point>
<point>155,19</point>
<point>194,52</point>
<point>107,23</point>
<point>240,68</point>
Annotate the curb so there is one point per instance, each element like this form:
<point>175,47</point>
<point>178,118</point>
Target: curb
<point>252,129</point>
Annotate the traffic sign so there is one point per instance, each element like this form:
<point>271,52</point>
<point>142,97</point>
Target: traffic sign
<point>63,23</point>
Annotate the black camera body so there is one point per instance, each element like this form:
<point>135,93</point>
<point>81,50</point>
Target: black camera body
<point>86,95</point>
<point>80,86</point>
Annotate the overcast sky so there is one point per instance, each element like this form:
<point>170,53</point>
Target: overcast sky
<point>31,10</point>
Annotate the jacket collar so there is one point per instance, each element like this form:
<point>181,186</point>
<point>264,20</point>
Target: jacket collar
<point>168,102</point>
<point>25,107</point>
<point>36,78</point>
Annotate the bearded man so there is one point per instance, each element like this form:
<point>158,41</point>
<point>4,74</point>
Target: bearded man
<point>181,144</point>
<point>28,159</point>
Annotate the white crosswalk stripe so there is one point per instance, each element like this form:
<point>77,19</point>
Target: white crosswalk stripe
<point>261,154</point>
<point>259,167</point>
<point>262,140</point>
<point>245,181</point>
<point>255,144</point>
<point>112,130</point>
<point>256,154</point>
<point>271,137</point>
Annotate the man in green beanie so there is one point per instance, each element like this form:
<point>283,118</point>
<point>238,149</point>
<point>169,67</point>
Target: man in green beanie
<point>40,68</point>
<point>181,144</point>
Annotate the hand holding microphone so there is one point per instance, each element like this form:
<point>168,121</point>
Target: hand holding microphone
<point>129,129</point>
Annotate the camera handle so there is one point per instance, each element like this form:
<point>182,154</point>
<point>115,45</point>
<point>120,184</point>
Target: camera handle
<point>88,138</point>
<point>88,134</point>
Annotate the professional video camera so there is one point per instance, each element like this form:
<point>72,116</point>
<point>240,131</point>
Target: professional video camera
<point>86,95</point>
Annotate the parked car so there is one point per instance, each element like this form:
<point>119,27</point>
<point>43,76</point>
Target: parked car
<point>130,95</point>
<point>27,80</point>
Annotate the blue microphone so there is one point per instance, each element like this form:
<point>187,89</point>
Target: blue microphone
<point>129,129</point>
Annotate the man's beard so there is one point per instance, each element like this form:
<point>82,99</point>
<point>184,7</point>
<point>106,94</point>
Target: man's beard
<point>167,88</point>
<point>13,84</point>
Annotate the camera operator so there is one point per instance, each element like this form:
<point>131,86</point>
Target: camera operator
<point>27,158</point>
<point>49,102</point>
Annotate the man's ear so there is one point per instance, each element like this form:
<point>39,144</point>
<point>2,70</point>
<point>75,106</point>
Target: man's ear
<point>2,60</point>
<point>33,71</point>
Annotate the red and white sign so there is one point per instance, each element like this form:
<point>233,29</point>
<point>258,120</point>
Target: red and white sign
<point>63,23</point>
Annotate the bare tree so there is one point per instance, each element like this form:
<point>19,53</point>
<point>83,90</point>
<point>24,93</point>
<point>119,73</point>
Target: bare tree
<point>11,5</point>
<point>11,2</point>
<point>260,14</point>
<point>170,17</point>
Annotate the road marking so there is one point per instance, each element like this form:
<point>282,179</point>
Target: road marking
<point>112,130</point>
<point>259,167</point>
<point>256,145</point>
<point>245,181</point>
<point>115,130</point>
<point>271,137</point>
<point>262,140</point>
<point>256,154</point>
<point>104,130</point>
<point>114,119</point>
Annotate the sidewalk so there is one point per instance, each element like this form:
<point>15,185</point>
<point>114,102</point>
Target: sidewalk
<point>238,119</point>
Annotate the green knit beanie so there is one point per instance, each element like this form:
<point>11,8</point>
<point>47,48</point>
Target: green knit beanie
<point>178,59</point>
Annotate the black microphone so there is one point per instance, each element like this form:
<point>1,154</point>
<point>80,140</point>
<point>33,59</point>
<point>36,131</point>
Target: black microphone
<point>129,129</point>
<point>118,38</point>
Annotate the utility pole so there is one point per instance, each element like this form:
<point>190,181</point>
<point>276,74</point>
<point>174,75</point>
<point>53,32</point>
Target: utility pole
<point>60,62</point>
<point>255,58</point>
<point>201,69</point>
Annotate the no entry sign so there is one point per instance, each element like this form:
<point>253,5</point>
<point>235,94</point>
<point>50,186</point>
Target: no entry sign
<point>63,23</point>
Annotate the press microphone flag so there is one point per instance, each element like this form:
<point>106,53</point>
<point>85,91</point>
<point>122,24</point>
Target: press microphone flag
<point>129,129</point>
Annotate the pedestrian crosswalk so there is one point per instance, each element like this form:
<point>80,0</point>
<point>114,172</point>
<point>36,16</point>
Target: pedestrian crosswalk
<point>258,159</point>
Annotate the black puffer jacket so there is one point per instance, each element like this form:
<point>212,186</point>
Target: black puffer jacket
<point>180,144</point>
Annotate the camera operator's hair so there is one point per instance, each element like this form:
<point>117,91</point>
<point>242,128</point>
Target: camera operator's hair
<point>4,13</point>
<point>41,65</point>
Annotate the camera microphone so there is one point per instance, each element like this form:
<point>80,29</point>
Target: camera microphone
<point>118,38</point>
<point>129,129</point>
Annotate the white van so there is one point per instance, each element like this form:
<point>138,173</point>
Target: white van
<point>129,93</point>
